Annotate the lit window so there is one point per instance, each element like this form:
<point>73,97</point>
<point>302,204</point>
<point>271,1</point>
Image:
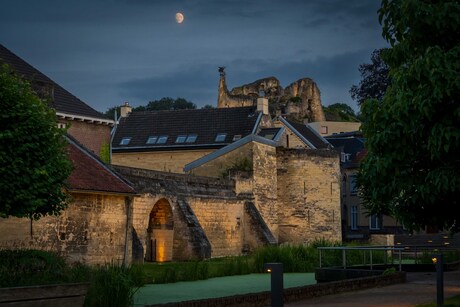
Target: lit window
<point>191,138</point>
<point>236,137</point>
<point>125,141</point>
<point>152,140</point>
<point>221,137</point>
<point>181,139</point>
<point>323,129</point>
<point>162,139</point>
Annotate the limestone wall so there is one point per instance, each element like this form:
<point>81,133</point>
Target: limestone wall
<point>308,195</point>
<point>93,230</point>
<point>165,161</point>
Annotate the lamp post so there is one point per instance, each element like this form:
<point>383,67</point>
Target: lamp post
<point>276,276</point>
<point>438,260</point>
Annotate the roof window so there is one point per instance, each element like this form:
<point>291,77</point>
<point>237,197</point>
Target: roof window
<point>162,139</point>
<point>191,138</point>
<point>152,139</point>
<point>125,141</point>
<point>236,137</point>
<point>181,139</point>
<point>220,137</point>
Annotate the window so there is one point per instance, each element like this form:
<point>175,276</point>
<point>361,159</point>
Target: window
<point>323,130</point>
<point>181,139</point>
<point>354,217</point>
<point>220,137</point>
<point>152,140</point>
<point>353,187</point>
<point>375,221</point>
<point>125,141</point>
<point>344,157</point>
<point>236,137</point>
<point>191,138</point>
<point>61,125</point>
<point>162,139</point>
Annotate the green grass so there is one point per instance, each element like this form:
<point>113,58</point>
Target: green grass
<point>450,302</point>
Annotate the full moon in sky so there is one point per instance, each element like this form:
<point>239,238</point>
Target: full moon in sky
<point>179,17</point>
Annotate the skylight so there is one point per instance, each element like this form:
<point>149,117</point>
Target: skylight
<point>162,139</point>
<point>181,139</point>
<point>236,137</point>
<point>220,137</point>
<point>125,141</point>
<point>152,140</point>
<point>191,138</point>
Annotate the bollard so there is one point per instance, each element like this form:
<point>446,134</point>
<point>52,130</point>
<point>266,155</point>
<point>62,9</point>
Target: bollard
<point>437,259</point>
<point>276,276</point>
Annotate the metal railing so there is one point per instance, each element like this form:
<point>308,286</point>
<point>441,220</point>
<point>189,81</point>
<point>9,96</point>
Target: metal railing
<point>370,249</point>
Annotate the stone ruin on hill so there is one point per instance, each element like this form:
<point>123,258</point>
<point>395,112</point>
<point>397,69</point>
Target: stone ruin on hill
<point>300,101</point>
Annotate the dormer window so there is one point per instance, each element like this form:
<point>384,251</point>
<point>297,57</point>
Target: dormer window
<point>152,140</point>
<point>125,141</point>
<point>162,139</point>
<point>236,137</point>
<point>220,137</point>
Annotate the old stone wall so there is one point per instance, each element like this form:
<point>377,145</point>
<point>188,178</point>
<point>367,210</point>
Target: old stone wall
<point>93,230</point>
<point>308,195</point>
<point>92,136</point>
<point>165,161</point>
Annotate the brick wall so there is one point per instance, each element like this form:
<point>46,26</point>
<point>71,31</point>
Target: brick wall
<point>92,136</point>
<point>308,195</point>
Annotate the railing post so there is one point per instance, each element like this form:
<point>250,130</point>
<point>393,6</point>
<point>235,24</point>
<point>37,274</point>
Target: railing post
<point>344,258</point>
<point>370,257</point>
<point>400,260</point>
<point>320,258</point>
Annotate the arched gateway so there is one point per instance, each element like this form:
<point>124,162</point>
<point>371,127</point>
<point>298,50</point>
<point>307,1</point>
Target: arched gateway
<point>160,233</point>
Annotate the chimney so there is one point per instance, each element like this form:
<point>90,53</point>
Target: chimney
<point>262,105</point>
<point>125,109</point>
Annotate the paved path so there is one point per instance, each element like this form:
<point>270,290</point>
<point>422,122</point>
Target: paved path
<point>419,288</point>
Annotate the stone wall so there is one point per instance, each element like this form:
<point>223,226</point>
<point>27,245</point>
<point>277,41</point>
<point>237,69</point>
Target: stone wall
<point>93,230</point>
<point>92,136</point>
<point>165,161</point>
<point>308,195</point>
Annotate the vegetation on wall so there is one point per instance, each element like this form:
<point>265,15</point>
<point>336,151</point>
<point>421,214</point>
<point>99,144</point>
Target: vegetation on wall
<point>243,164</point>
<point>412,168</point>
<point>34,165</point>
<point>340,112</point>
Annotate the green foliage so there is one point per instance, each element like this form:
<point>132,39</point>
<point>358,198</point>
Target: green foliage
<point>243,164</point>
<point>113,285</point>
<point>105,153</point>
<point>208,106</point>
<point>412,168</point>
<point>33,159</point>
<point>34,267</point>
<point>375,79</point>
<point>340,112</point>
<point>389,271</point>
<point>295,99</point>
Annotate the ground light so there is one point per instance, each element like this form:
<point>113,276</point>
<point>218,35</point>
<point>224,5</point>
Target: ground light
<point>276,277</point>
<point>438,260</point>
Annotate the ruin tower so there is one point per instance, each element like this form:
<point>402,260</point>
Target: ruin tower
<point>310,99</point>
<point>227,100</point>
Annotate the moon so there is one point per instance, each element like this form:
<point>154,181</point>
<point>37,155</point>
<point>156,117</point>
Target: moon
<point>179,17</point>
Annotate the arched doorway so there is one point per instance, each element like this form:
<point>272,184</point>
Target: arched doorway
<point>160,232</point>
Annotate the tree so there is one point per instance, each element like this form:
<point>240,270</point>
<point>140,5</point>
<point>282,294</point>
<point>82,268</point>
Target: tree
<point>33,161</point>
<point>412,169</point>
<point>375,79</point>
<point>340,112</point>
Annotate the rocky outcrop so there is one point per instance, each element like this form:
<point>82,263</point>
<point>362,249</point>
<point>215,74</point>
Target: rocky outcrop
<point>300,101</point>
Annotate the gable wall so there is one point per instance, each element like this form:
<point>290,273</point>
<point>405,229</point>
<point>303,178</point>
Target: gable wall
<point>92,136</point>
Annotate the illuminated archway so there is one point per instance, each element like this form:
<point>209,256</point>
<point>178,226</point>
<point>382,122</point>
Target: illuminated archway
<point>160,232</point>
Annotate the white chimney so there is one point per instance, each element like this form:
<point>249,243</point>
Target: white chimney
<point>125,109</point>
<point>262,105</point>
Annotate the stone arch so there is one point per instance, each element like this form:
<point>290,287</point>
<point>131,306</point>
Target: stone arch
<point>160,232</point>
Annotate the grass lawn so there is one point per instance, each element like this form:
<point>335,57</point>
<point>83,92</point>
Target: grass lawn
<point>215,287</point>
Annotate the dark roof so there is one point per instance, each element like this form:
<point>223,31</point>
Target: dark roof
<point>311,135</point>
<point>62,100</point>
<point>206,124</point>
<point>91,174</point>
<point>349,145</point>
<point>269,133</point>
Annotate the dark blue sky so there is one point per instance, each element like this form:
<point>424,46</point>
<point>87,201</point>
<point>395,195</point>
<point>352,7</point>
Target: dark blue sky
<point>109,51</point>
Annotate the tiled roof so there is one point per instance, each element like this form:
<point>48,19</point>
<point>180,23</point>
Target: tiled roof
<point>91,174</point>
<point>63,101</point>
<point>311,135</point>
<point>205,124</point>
